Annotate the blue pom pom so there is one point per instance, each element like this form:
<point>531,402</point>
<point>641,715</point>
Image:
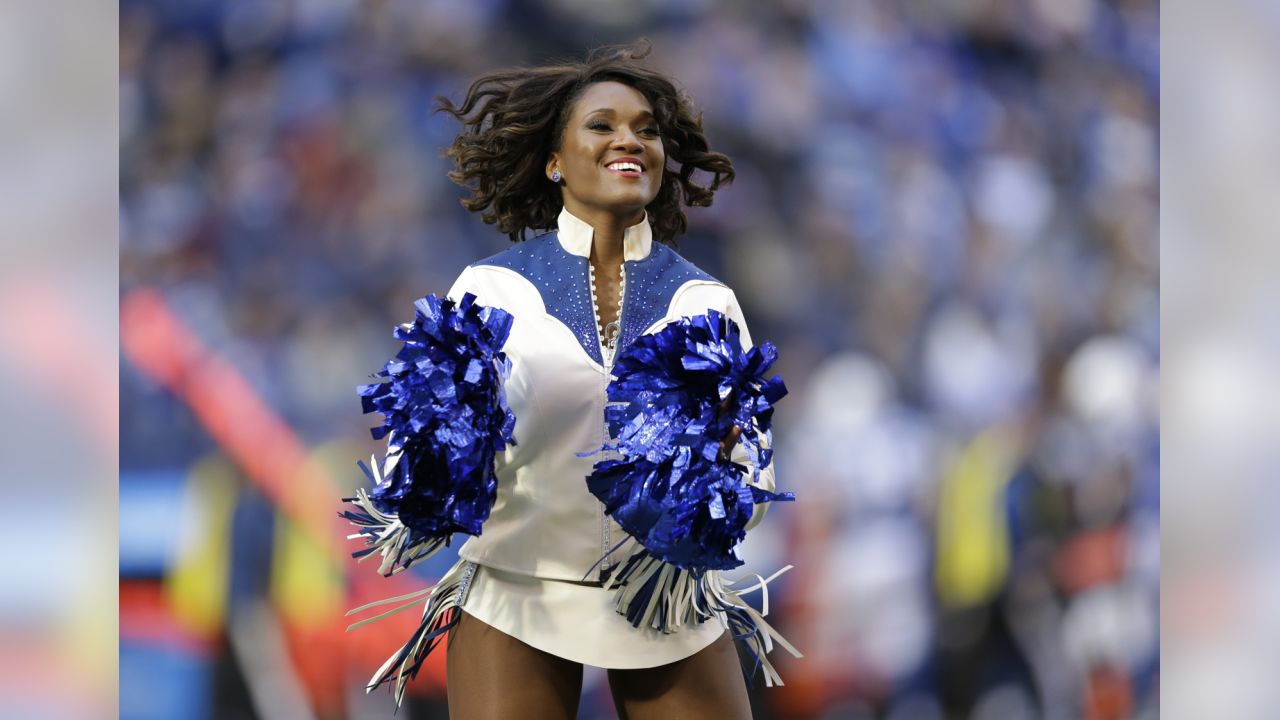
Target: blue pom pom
<point>675,394</point>
<point>445,417</point>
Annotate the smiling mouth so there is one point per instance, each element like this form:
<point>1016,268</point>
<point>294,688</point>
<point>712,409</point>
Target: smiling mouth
<point>626,168</point>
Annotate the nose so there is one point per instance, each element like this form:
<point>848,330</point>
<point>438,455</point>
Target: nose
<point>625,139</point>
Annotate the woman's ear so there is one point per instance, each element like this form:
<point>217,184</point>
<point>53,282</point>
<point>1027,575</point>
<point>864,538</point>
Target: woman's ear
<point>553,168</point>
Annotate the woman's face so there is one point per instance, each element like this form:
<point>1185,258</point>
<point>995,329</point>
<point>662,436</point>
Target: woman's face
<point>611,157</point>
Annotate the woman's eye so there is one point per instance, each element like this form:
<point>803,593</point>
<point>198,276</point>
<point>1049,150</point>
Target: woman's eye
<point>598,126</point>
<point>650,131</point>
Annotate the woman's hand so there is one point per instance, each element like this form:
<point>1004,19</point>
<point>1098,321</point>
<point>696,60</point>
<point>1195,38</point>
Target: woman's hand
<point>727,444</point>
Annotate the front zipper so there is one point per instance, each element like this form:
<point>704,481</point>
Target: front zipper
<point>606,564</point>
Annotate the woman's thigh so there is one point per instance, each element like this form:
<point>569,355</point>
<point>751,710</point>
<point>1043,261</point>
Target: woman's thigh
<point>493,676</point>
<point>708,684</point>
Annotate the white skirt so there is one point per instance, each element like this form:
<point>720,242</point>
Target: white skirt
<point>576,621</point>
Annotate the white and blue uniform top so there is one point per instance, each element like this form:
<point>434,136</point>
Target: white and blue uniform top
<point>544,522</point>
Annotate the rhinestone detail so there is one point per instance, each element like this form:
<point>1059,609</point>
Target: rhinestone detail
<point>562,279</point>
<point>654,280</point>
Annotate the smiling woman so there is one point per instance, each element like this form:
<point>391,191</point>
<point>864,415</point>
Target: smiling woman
<point>514,119</point>
<point>610,157</point>
<point>602,154</point>
<point>610,162</point>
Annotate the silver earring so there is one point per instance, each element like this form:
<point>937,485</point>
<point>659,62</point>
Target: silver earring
<point>555,176</point>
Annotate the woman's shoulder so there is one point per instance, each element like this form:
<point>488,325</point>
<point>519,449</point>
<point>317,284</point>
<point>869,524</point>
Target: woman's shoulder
<point>536,270</point>
<point>526,255</point>
<point>666,268</point>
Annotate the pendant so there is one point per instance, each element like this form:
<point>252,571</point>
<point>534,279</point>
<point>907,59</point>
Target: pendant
<point>611,335</point>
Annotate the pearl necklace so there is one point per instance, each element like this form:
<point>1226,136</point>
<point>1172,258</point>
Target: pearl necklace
<point>608,334</point>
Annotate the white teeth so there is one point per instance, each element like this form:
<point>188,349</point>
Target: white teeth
<point>625,166</point>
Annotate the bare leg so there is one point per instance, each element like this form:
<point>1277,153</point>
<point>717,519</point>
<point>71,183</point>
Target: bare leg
<point>493,676</point>
<point>708,684</point>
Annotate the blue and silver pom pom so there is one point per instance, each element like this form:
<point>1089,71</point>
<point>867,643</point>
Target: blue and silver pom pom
<point>445,417</point>
<point>675,395</point>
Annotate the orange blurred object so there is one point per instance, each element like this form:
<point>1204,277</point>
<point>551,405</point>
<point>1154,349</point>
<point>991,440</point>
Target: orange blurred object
<point>1108,695</point>
<point>1091,559</point>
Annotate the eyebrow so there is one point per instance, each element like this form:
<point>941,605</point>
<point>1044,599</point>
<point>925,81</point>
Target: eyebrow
<point>611,111</point>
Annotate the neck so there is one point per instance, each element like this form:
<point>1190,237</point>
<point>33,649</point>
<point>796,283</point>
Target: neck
<point>609,230</point>
<point>606,246</point>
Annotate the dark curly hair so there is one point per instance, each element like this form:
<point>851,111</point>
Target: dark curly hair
<point>514,119</point>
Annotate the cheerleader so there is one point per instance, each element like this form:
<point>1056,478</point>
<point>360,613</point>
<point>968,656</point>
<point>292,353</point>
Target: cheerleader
<point>587,168</point>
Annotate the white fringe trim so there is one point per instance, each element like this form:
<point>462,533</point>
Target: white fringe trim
<point>384,532</point>
<point>679,598</point>
<point>440,613</point>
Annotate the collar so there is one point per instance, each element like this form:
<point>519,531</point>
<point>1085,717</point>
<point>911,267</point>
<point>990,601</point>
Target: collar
<point>575,237</point>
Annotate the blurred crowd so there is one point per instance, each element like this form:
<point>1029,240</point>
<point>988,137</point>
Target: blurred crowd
<point>945,216</point>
